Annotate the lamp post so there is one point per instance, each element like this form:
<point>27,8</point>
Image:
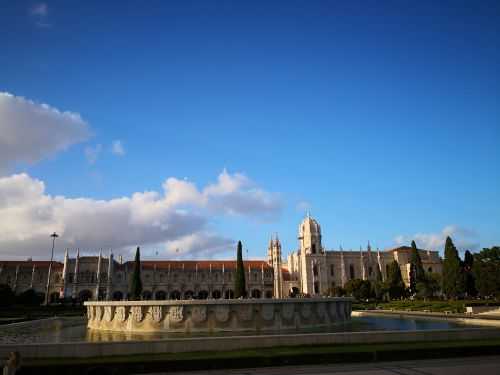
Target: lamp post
<point>54,236</point>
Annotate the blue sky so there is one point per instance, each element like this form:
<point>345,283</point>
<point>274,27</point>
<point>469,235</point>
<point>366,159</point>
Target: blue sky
<point>382,117</point>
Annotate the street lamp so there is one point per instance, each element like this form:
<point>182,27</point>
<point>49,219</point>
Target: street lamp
<point>54,236</point>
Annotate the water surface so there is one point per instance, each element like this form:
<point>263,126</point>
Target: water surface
<point>75,330</point>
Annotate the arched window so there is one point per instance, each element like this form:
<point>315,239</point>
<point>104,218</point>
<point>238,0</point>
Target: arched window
<point>315,270</point>
<point>175,294</point>
<point>313,248</point>
<point>331,270</point>
<point>202,294</point>
<point>117,296</point>
<point>216,294</point>
<point>269,294</point>
<point>147,295</point>
<point>387,270</point>
<point>188,294</point>
<point>229,294</point>
<point>351,272</point>
<point>160,295</point>
<point>370,271</point>
<point>256,293</point>
<point>429,269</point>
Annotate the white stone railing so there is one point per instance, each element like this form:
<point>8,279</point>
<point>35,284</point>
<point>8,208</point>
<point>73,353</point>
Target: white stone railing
<point>187,316</point>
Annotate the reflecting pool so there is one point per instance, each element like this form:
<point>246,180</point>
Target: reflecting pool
<point>75,330</point>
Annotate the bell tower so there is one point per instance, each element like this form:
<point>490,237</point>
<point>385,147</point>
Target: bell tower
<point>312,260</point>
<point>274,260</point>
<point>310,237</point>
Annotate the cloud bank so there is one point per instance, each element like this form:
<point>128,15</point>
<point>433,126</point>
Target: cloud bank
<point>463,238</point>
<point>30,132</point>
<point>176,218</point>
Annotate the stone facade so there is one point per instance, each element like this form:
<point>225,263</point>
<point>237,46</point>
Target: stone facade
<point>217,316</point>
<point>314,270</point>
<point>311,270</point>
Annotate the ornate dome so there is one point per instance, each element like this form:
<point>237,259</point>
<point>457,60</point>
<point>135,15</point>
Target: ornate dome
<point>309,225</point>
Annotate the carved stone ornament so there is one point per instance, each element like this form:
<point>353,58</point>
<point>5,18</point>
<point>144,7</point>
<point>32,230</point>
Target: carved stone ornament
<point>199,313</point>
<point>136,312</point>
<point>267,312</point>
<point>245,312</point>
<point>333,310</point>
<point>156,313</point>
<point>108,313</point>
<point>90,312</point>
<point>176,314</point>
<point>305,311</point>
<point>340,311</point>
<point>288,311</point>
<point>222,313</point>
<point>98,313</point>
<point>320,310</point>
<point>121,313</point>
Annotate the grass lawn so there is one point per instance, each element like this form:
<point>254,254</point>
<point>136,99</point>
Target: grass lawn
<point>457,306</point>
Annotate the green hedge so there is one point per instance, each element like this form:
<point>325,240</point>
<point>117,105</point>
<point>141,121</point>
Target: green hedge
<point>457,306</point>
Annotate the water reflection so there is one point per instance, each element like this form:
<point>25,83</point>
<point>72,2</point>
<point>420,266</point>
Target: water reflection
<point>75,330</point>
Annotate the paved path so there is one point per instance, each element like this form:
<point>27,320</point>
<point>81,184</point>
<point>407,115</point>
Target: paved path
<point>451,366</point>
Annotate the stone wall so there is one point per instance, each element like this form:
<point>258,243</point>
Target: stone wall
<point>217,315</point>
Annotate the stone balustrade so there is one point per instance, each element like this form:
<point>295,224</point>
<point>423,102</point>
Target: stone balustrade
<point>186,316</point>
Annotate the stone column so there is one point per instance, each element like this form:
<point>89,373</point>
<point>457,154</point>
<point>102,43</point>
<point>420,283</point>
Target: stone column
<point>153,287</point>
<point>15,279</point>
<point>343,276</point>
<point>99,261</point>
<point>75,278</point>
<point>65,273</point>
<point>380,265</point>
<point>362,264</point>
<point>33,277</point>
<point>262,294</point>
<point>109,285</point>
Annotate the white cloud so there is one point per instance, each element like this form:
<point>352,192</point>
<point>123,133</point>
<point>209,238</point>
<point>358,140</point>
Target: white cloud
<point>463,238</point>
<point>92,153</point>
<point>40,13</point>
<point>233,194</point>
<point>199,245</point>
<point>30,132</point>
<point>117,148</point>
<point>40,9</point>
<point>176,218</point>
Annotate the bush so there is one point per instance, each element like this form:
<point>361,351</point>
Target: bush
<point>29,297</point>
<point>359,289</point>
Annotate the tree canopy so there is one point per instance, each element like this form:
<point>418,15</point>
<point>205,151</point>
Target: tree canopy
<point>239,280</point>
<point>136,282</point>
<point>452,271</point>
<point>395,283</point>
<point>486,270</point>
<point>417,273</point>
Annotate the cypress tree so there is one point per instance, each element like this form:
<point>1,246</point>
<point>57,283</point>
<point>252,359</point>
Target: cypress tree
<point>239,280</point>
<point>469,279</point>
<point>136,282</point>
<point>378,285</point>
<point>395,283</point>
<point>452,275</point>
<point>417,273</point>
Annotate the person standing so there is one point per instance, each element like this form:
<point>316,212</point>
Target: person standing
<point>13,363</point>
